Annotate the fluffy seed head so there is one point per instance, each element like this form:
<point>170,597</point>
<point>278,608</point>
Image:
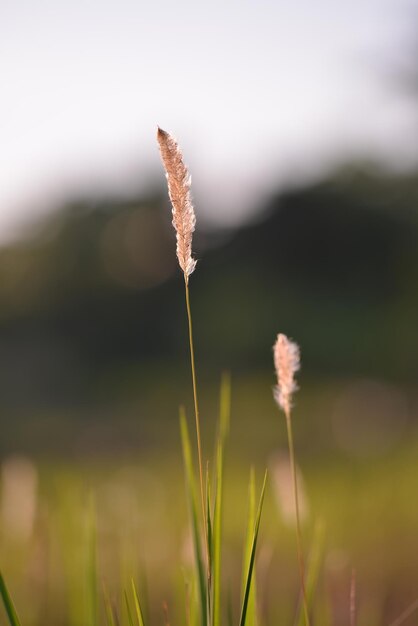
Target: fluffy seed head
<point>179,180</point>
<point>287,363</point>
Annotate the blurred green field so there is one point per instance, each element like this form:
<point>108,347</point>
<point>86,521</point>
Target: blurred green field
<point>360,489</point>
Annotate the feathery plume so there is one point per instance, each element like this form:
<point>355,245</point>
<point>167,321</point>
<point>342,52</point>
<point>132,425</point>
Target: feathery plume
<point>179,180</point>
<point>287,363</point>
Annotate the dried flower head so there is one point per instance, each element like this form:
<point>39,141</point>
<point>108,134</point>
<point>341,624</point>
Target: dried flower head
<point>178,180</point>
<point>287,363</point>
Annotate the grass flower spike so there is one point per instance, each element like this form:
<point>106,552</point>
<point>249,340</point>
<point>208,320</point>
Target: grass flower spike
<point>179,179</point>
<point>287,363</point>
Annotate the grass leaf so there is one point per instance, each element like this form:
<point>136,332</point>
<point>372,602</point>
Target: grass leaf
<point>138,609</point>
<point>252,557</point>
<point>224,419</point>
<point>128,609</point>
<point>8,603</point>
<point>191,495</point>
<point>209,538</point>
<point>251,609</point>
<point>217,536</point>
<point>91,568</point>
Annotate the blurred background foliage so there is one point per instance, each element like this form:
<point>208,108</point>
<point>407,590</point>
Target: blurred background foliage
<point>94,288</point>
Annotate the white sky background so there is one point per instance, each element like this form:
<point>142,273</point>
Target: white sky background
<point>256,92</point>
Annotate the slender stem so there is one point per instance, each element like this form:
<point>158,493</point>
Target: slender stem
<point>196,412</point>
<point>298,531</point>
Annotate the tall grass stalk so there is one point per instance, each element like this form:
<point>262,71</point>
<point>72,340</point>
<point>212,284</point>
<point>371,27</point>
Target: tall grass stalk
<point>184,221</point>
<point>287,363</point>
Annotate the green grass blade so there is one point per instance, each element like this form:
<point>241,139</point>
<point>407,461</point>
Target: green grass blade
<point>251,609</point>
<point>252,557</point>
<point>209,519</point>
<point>250,528</point>
<point>128,609</point>
<point>224,419</point>
<point>209,547</point>
<point>217,537</point>
<point>91,568</point>
<point>314,566</point>
<point>138,609</point>
<point>191,494</point>
<point>8,603</point>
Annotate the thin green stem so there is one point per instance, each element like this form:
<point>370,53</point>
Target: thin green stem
<point>196,412</point>
<point>298,531</point>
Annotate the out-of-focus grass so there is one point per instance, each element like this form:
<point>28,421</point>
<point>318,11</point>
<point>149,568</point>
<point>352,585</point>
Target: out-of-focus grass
<point>370,517</point>
<point>367,504</point>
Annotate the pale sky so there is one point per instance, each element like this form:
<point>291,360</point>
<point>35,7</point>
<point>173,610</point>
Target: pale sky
<point>256,92</point>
